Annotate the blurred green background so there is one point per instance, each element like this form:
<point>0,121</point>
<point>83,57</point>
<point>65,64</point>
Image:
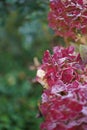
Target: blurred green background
<point>24,35</point>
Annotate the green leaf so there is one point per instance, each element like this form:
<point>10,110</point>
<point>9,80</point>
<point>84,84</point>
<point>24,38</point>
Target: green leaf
<point>83,52</point>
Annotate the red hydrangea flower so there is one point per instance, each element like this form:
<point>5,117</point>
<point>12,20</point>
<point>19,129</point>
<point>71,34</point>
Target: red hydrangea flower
<point>68,17</point>
<point>64,97</point>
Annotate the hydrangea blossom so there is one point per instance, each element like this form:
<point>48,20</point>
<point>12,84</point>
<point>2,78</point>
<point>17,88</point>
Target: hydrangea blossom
<point>64,99</point>
<point>68,17</point>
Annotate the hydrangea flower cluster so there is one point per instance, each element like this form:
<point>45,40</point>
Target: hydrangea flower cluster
<point>64,99</point>
<point>68,17</point>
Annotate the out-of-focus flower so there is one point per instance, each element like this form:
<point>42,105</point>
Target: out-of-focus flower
<point>64,100</point>
<point>68,17</point>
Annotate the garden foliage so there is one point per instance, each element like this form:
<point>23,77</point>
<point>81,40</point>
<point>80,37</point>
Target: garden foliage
<point>23,32</point>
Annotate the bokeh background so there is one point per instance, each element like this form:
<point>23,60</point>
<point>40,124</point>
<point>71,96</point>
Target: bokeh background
<point>24,36</point>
